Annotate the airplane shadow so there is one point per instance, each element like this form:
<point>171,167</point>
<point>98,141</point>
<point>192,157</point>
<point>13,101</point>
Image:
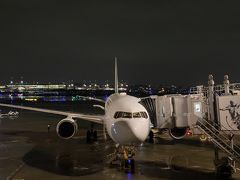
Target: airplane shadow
<point>71,157</point>
<point>65,159</point>
<point>163,170</point>
<point>76,158</point>
<point>186,141</point>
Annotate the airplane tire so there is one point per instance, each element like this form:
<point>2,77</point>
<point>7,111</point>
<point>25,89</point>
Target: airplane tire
<point>129,166</point>
<point>151,136</point>
<point>95,135</point>
<point>225,171</point>
<point>133,166</point>
<point>88,136</point>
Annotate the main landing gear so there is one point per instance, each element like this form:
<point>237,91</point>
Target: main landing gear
<point>125,158</point>
<point>91,136</point>
<point>225,167</point>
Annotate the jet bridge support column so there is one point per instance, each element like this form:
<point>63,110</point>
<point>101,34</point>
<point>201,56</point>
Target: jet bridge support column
<point>211,115</point>
<point>211,97</point>
<point>226,85</point>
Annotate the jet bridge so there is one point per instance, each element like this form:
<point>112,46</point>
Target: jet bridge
<point>213,110</point>
<point>217,104</point>
<point>175,111</point>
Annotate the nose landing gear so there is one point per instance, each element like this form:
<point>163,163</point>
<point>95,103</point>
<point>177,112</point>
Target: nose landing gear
<point>129,165</point>
<point>124,157</point>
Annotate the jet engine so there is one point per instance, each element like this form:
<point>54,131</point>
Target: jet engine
<point>178,133</point>
<point>67,128</point>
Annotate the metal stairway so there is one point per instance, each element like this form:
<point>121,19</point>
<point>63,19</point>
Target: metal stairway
<point>220,138</point>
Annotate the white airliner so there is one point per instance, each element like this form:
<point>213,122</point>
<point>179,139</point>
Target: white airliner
<point>126,120</point>
<point>11,114</point>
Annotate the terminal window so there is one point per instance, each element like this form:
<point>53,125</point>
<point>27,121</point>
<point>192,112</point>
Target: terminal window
<point>197,107</point>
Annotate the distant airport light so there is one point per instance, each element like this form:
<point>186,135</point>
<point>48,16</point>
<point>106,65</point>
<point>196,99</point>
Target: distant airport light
<point>31,99</point>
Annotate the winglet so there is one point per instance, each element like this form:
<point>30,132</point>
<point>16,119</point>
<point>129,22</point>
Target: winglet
<point>116,76</point>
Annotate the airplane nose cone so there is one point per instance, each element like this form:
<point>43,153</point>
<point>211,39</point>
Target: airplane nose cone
<point>140,128</point>
<point>130,131</point>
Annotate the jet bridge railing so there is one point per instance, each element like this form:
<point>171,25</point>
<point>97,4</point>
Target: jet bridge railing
<point>217,88</point>
<point>226,131</point>
<point>220,138</point>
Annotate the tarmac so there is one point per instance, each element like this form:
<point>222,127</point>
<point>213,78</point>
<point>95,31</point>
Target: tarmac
<point>28,151</point>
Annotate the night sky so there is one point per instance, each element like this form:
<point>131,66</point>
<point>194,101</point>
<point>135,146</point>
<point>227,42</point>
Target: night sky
<point>156,42</point>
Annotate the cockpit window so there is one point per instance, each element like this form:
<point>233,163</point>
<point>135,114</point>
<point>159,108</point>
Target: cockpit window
<point>137,115</point>
<point>144,115</point>
<point>120,114</point>
<point>116,115</point>
<point>127,115</point>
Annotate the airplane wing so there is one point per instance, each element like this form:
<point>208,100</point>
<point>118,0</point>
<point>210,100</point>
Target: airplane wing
<point>93,118</point>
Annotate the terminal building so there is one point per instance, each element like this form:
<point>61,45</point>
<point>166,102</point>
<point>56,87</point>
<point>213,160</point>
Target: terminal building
<point>22,87</point>
<point>35,87</point>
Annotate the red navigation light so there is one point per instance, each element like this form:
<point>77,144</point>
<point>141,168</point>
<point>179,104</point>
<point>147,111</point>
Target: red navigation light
<point>189,132</point>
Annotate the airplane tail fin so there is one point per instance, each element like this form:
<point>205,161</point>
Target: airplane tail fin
<point>116,76</point>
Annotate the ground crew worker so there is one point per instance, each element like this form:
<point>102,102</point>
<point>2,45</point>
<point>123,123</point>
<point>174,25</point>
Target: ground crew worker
<point>48,127</point>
